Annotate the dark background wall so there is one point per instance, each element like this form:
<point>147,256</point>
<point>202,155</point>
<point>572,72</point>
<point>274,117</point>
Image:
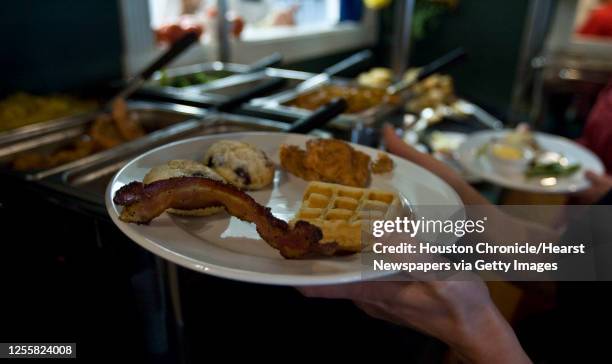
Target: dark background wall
<point>56,45</point>
<point>491,32</point>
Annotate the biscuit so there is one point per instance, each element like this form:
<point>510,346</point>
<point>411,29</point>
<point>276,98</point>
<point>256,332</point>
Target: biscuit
<point>184,168</point>
<point>241,164</point>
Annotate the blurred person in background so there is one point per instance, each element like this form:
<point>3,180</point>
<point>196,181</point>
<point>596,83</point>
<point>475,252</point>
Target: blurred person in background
<point>599,21</point>
<point>597,133</point>
<point>597,136</point>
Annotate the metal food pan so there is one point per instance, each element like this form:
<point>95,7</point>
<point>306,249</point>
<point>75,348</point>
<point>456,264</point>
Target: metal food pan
<point>215,92</point>
<point>152,88</point>
<point>278,105</point>
<point>159,121</point>
<point>89,181</point>
<point>31,130</point>
<point>212,68</point>
<point>240,83</point>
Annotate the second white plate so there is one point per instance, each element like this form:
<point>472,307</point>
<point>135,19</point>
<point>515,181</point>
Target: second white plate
<point>468,156</point>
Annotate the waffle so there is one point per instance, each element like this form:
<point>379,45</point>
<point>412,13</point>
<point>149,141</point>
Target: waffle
<point>341,212</point>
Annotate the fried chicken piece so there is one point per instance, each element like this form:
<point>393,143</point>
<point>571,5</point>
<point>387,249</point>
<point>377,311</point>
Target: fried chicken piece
<point>337,162</point>
<point>361,169</point>
<point>128,128</point>
<point>292,160</point>
<point>382,164</point>
<point>142,203</point>
<point>327,160</point>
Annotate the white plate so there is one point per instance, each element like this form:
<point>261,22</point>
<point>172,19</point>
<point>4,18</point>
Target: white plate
<point>575,153</point>
<point>227,247</point>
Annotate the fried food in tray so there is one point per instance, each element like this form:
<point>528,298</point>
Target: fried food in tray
<point>358,98</point>
<point>436,92</point>
<point>23,109</point>
<point>106,132</point>
<point>377,77</point>
<point>432,92</point>
<point>32,161</point>
<point>342,212</point>
<point>329,160</point>
<point>128,127</point>
<point>142,203</point>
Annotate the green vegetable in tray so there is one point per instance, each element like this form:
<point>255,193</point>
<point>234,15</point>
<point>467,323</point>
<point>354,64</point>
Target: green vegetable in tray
<point>197,78</point>
<point>202,78</point>
<point>552,170</point>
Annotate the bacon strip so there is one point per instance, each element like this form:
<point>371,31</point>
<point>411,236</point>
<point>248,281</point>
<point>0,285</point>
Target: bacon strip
<point>142,203</point>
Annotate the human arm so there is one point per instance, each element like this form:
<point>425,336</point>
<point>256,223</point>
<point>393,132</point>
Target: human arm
<point>460,313</point>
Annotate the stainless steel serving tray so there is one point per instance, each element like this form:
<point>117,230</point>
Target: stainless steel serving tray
<point>277,105</point>
<point>89,181</point>
<point>217,91</point>
<point>29,131</point>
<point>160,120</point>
<point>153,86</point>
<point>233,85</point>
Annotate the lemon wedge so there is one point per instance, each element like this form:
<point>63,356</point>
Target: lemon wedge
<point>507,152</point>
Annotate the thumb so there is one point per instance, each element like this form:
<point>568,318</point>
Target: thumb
<point>397,146</point>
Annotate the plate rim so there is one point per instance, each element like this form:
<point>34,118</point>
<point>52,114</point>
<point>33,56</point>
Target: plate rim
<point>237,274</point>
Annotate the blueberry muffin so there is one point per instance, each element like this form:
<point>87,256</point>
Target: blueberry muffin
<point>241,164</point>
<point>184,168</point>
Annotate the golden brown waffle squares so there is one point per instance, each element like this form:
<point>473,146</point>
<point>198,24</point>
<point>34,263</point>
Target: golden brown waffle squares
<point>341,211</point>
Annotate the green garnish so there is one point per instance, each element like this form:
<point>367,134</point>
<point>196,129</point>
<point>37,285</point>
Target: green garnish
<point>551,170</point>
<point>482,150</point>
<point>190,79</point>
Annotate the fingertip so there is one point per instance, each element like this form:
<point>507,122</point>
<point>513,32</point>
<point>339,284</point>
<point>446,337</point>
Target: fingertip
<point>305,291</point>
<point>591,175</point>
